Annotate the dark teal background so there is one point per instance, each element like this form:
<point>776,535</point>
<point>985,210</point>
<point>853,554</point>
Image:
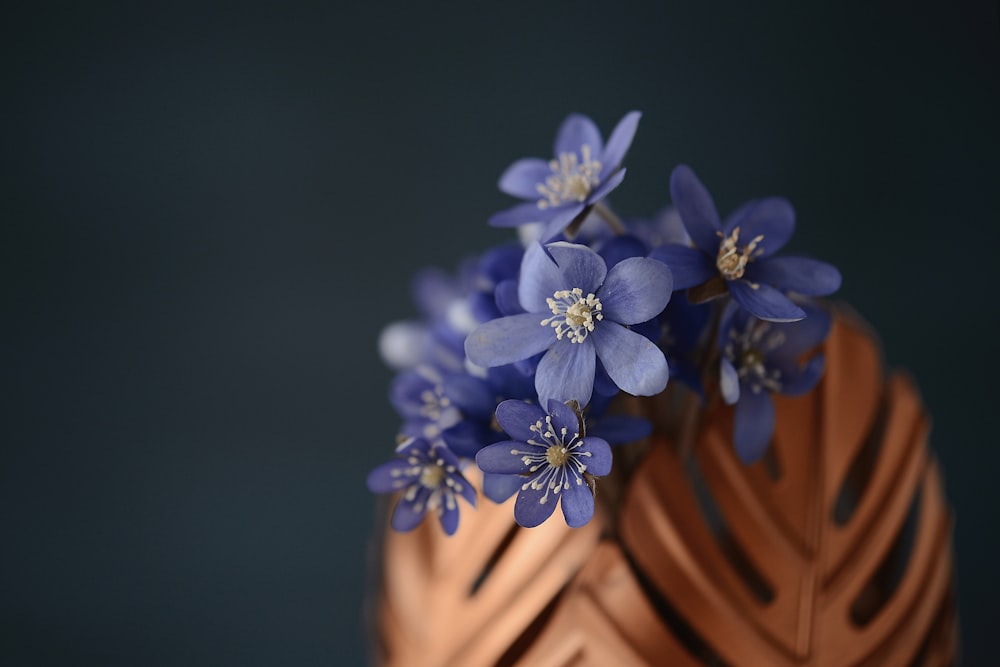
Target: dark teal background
<point>208,214</point>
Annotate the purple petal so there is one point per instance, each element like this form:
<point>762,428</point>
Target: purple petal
<point>560,219</point>
<point>689,266</point>
<point>540,279</point>
<point>621,429</point>
<point>566,373</point>
<point>516,418</point>
<point>577,502</point>
<point>765,302</point>
<point>497,458</point>
<point>804,335</point>
<point>519,215</point>
<point>506,298</point>
<point>575,132</point>
<point>580,266</point>
<point>636,290</point>
<point>463,487</point>
<point>564,416</point>
<point>797,380</point>
<point>729,382</point>
<point>499,488</point>
<point>698,213</point>
<point>405,517</point>
<point>753,425</point>
<point>622,247</point>
<point>470,394</point>
<point>795,274</point>
<point>522,178</point>
<point>599,461</point>
<point>773,218</point>
<point>389,476</point>
<point>508,339</point>
<point>635,364</point>
<point>619,142</point>
<point>467,437</point>
<point>449,518</point>
<point>606,186</point>
<point>529,511</point>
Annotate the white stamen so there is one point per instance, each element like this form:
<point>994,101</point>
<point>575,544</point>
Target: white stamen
<point>573,314</point>
<point>731,260</point>
<point>572,179</point>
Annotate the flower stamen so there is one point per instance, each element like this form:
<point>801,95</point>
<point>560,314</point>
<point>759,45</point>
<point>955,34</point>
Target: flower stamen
<point>731,260</point>
<point>571,180</point>
<point>573,314</point>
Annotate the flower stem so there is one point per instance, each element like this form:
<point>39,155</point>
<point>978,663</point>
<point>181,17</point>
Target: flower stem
<point>614,222</point>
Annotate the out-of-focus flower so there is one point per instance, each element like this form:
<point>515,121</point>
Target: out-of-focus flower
<point>760,358</point>
<point>429,478</point>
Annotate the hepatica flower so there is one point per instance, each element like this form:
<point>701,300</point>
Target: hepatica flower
<point>737,256</point>
<point>551,455</point>
<point>760,358</point>
<point>582,173</point>
<point>430,481</point>
<point>578,312</point>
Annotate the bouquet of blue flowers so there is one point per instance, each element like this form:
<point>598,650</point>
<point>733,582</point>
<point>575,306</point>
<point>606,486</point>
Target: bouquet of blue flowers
<point>571,354</point>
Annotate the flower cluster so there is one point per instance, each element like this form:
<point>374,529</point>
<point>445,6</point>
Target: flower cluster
<point>515,364</point>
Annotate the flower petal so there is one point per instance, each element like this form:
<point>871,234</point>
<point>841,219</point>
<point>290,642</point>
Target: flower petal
<point>580,266</point>
<point>697,210</point>
<point>797,380</point>
<point>753,425</point>
<point>575,132</point>
<point>406,517</point>
<point>529,510</point>
<point>729,382</point>
<point>619,142</point>
<point>564,416</point>
<point>635,364</point>
<point>540,278</point>
<point>499,488</point>
<point>621,429</point>
<point>599,461</point>
<point>765,302</point>
<point>497,458</point>
<point>577,502</point>
<point>560,219</point>
<point>804,335</point>
<point>772,217</point>
<point>390,476</point>
<point>506,299</point>
<point>636,290</point>
<point>622,247</point>
<point>795,274</point>
<point>518,215</point>
<point>449,517</point>
<point>606,186</point>
<point>566,373</point>
<point>689,266</point>
<point>522,178</point>
<point>516,418</point>
<point>508,339</point>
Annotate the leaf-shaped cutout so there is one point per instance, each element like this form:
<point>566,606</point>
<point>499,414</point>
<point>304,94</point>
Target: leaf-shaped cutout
<point>468,599</point>
<point>846,529</point>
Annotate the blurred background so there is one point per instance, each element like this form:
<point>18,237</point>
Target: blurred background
<point>208,214</point>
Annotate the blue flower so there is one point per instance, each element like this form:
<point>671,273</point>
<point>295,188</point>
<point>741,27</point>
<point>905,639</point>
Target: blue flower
<point>578,312</point>
<point>429,479</point>
<point>737,256</point>
<point>760,358</point>
<point>549,454</point>
<point>582,173</point>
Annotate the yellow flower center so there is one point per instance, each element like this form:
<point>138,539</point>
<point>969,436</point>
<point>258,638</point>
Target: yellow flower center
<point>572,179</point>
<point>732,260</point>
